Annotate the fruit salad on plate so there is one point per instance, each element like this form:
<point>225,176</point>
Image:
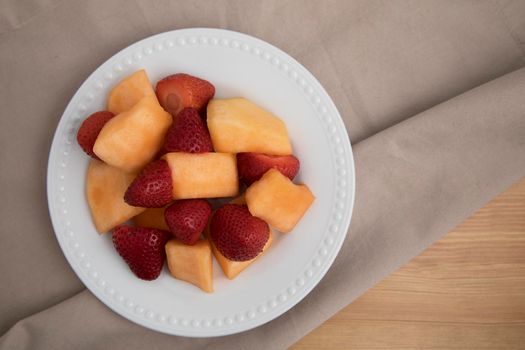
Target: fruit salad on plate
<point>161,157</point>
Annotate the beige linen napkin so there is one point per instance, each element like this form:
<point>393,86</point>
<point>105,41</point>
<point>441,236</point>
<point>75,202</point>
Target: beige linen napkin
<point>430,147</point>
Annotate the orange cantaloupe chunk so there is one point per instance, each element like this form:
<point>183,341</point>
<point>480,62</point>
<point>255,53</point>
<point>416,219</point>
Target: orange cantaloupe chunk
<point>238,125</point>
<point>203,175</point>
<point>191,263</point>
<point>232,268</point>
<point>278,201</point>
<point>152,217</point>
<point>105,188</point>
<point>131,139</point>
<point>129,91</point>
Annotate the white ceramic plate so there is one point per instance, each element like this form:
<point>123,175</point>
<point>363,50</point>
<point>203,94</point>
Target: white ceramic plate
<point>238,65</point>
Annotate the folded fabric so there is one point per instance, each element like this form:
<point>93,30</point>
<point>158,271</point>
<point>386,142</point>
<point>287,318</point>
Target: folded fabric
<point>425,159</point>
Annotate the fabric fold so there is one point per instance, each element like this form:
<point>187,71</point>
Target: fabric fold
<point>415,182</point>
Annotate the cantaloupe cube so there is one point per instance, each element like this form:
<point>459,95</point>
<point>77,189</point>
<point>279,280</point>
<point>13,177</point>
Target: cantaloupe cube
<point>238,125</point>
<point>191,263</point>
<point>203,175</point>
<point>129,91</point>
<point>233,268</point>
<point>278,201</point>
<point>131,139</point>
<point>105,188</point>
<point>152,217</point>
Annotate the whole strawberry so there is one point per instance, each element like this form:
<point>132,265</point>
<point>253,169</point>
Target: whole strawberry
<point>142,249</point>
<point>237,234</point>
<point>252,166</point>
<point>187,219</point>
<point>178,91</point>
<point>152,188</point>
<point>90,128</point>
<point>188,134</point>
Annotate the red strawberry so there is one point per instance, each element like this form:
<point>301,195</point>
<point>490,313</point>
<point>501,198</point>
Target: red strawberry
<point>152,188</point>
<point>188,134</point>
<point>142,249</point>
<point>252,166</point>
<point>237,234</point>
<point>187,219</point>
<point>178,91</point>
<point>90,128</point>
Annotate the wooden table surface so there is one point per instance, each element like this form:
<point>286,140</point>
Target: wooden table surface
<point>467,291</point>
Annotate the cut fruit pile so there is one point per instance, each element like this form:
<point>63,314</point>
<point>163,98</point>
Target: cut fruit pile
<point>160,154</point>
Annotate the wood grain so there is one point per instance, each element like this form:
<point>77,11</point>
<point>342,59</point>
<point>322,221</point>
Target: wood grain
<point>467,291</point>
